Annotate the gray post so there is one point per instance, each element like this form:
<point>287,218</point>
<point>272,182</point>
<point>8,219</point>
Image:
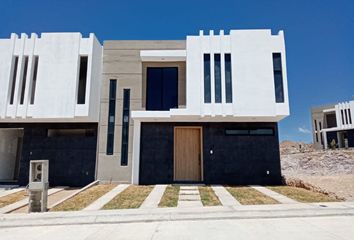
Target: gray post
<point>38,186</point>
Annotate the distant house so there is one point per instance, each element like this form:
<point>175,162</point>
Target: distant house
<point>201,110</point>
<point>333,125</point>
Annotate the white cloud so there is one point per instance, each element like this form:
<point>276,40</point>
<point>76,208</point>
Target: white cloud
<point>304,130</point>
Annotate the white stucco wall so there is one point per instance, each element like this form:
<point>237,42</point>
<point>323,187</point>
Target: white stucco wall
<point>57,77</point>
<point>348,115</point>
<point>253,90</point>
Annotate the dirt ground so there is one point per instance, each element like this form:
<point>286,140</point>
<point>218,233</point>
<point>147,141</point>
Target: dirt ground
<point>341,185</point>
<point>331,170</point>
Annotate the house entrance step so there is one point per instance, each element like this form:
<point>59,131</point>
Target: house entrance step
<point>189,197</point>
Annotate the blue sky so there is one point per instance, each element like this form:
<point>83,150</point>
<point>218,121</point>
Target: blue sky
<point>319,36</point>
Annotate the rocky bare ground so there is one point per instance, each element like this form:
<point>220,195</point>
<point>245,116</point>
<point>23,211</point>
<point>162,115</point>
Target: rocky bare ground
<point>331,170</point>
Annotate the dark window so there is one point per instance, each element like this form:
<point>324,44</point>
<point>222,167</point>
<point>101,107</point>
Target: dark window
<point>262,132</point>
<point>346,116</point>
<point>82,80</point>
<point>125,127</point>
<point>207,81</point>
<point>237,132</point>
<point>217,76</point>
<point>13,85</point>
<point>228,78</point>
<point>278,78</point>
<point>320,125</point>
<point>24,76</point>
<point>316,136</point>
<point>321,138</point>
<point>250,132</point>
<point>350,116</point>
<point>315,125</point>
<point>342,114</point>
<point>34,80</point>
<point>331,120</point>
<point>162,88</point>
<point>70,132</point>
<point>111,116</point>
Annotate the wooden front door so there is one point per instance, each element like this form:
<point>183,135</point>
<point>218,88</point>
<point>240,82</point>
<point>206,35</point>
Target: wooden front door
<point>187,154</point>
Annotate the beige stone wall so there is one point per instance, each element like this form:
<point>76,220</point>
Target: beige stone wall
<point>121,61</point>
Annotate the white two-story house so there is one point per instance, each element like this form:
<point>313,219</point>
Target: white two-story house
<point>49,106</point>
<point>201,110</point>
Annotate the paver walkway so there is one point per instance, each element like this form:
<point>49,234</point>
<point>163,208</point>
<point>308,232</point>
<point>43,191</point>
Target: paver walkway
<point>224,196</point>
<point>189,197</point>
<point>152,201</point>
<point>99,203</point>
<point>279,197</point>
<point>52,199</point>
<point>10,191</point>
<point>24,202</point>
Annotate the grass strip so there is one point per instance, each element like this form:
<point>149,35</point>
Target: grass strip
<point>208,197</point>
<point>250,196</point>
<point>170,197</point>
<point>132,197</point>
<point>12,198</point>
<point>85,198</point>
<point>302,195</point>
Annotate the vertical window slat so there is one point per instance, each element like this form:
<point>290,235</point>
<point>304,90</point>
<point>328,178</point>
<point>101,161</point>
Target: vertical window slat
<point>13,82</point>
<point>125,127</point>
<point>34,79</point>
<point>207,81</point>
<point>228,78</point>
<point>24,76</point>
<point>217,76</point>
<point>278,78</point>
<point>81,96</point>
<point>111,116</point>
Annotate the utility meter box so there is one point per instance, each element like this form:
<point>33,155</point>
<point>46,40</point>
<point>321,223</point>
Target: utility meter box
<point>38,185</point>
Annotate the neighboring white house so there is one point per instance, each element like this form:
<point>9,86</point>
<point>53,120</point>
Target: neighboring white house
<point>47,82</point>
<point>333,123</point>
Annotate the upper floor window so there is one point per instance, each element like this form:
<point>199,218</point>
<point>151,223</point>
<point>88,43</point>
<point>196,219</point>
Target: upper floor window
<point>34,79</point>
<point>13,80</point>
<point>24,77</point>
<point>217,77</point>
<point>111,116</point>
<point>278,78</point>
<point>81,96</point>
<point>125,127</point>
<point>161,88</point>
<point>207,81</point>
<point>228,78</point>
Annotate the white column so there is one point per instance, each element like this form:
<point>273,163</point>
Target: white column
<point>324,135</point>
<point>136,152</point>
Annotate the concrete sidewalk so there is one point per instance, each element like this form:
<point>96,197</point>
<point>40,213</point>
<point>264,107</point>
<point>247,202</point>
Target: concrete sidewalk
<point>178,214</point>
